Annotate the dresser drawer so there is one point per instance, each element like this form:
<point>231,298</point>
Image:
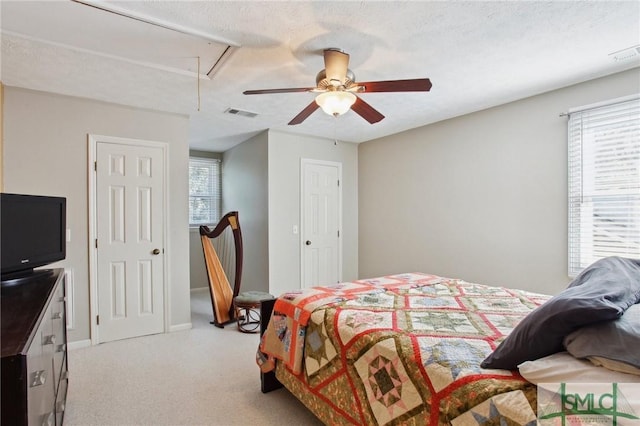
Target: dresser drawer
<point>59,331</point>
<point>59,364</point>
<point>40,386</point>
<point>61,399</point>
<point>60,369</point>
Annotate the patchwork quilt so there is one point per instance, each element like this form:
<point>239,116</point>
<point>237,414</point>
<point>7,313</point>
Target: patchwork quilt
<point>400,349</point>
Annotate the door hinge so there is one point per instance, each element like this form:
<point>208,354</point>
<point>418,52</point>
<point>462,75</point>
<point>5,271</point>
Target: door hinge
<point>97,319</point>
<point>338,182</point>
<point>96,243</point>
<point>95,166</point>
<point>338,233</point>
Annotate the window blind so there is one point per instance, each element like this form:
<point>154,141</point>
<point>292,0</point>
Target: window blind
<point>604,183</point>
<point>204,191</point>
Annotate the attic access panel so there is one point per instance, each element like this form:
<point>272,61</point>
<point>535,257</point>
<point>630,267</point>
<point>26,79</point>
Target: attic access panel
<point>91,29</point>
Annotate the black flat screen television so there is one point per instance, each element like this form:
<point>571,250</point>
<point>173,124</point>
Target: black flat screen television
<point>32,234</point>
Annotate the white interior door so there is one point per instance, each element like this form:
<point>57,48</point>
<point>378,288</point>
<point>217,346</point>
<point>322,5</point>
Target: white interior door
<point>321,223</point>
<point>130,240</point>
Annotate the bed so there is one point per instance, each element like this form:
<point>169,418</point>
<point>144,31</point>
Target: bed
<point>416,348</point>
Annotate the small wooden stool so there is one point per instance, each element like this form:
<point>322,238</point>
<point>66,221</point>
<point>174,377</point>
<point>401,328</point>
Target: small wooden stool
<point>247,307</point>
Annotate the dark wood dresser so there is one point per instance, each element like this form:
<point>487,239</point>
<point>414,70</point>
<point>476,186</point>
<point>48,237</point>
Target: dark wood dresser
<point>34,351</point>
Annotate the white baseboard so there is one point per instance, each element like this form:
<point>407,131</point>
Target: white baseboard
<point>78,344</point>
<point>180,327</point>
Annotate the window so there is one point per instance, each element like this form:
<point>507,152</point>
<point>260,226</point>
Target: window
<point>604,182</point>
<point>204,191</point>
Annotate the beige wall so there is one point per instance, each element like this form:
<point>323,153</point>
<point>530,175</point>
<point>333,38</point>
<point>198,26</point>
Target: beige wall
<point>481,197</point>
<point>244,189</point>
<point>285,154</point>
<point>45,152</point>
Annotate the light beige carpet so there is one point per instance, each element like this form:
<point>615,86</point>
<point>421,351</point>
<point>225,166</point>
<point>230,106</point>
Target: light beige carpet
<point>203,376</point>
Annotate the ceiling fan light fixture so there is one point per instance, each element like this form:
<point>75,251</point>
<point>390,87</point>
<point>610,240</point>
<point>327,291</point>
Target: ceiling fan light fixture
<point>335,103</point>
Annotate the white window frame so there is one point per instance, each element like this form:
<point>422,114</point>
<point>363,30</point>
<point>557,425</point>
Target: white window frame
<point>604,182</point>
<point>214,192</point>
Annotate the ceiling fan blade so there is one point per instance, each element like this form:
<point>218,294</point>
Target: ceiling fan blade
<point>366,111</point>
<point>286,90</point>
<point>412,85</point>
<point>304,113</point>
<point>336,64</point>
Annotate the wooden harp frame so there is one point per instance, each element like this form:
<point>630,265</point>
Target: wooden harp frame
<point>226,306</point>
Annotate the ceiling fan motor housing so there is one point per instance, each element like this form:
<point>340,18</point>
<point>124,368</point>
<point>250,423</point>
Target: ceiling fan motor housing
<point>324,83</point>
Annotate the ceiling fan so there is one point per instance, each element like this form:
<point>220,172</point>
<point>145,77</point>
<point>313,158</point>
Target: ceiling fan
<point>336,86</point>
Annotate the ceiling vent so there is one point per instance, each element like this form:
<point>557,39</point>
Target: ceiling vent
<point>236,111</point>
<point>626,54</point>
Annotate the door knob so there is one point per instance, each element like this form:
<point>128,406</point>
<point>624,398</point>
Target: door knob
<point>308,242</point>
<point>156,251</point>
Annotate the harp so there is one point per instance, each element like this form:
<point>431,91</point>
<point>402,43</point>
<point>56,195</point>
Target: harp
<point>222,249</point>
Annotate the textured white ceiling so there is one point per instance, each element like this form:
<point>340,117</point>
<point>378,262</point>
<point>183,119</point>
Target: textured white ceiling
<point>477,55</point>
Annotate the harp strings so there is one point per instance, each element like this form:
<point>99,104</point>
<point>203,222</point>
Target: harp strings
<point>225,249</point>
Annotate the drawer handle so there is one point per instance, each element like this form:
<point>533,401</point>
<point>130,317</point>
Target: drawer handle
<point>62,299</point>
<point>60,406</point>
<point>49,340</point>
<point>56,315</point>
<point>61,348</point>
<point>49,420</point>
<point>64,375</point>
<point>39,378</point>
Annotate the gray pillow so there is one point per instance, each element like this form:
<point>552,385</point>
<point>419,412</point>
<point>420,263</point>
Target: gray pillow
<point>612,270</point>
<point>602,292</point>
<point>618,340</point>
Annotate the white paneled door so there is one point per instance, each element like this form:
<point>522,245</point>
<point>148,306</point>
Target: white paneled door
<point>129,239</point>
<point>321,223</point>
